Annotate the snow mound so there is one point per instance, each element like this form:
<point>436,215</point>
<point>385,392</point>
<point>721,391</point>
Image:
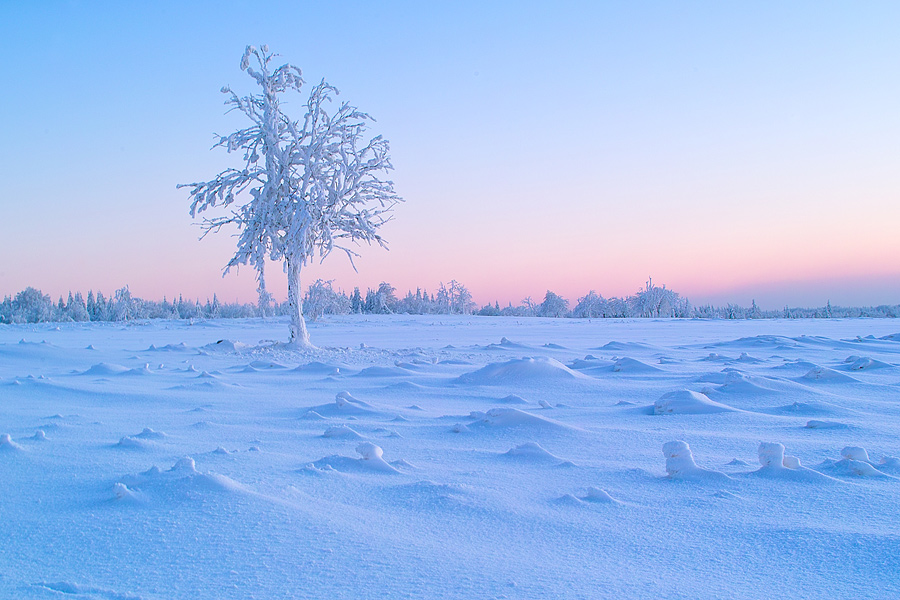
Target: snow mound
<point>89,592</point>
<point>890,464</point>
<point>372,459</point>
<point>180,347</point>
<point>775,465</point>
<point>39,436</point>
<point>513,417</point>
<point>531,452</point>
<point>459,428</point>
<point>225,346</point>
<point>149,434</point>
<point>182,482</point>
<point>383,372</point>
<point>208,383</point>
<point>588,362</point>
<point>631,365</point>
<point>342,432</point>
<point>814,424</point>
<point>771,454</point>
<point>746,358</point>
<point>736,382</point>
<point>370,451</point>
<point>139,371</point>
<point>826,375</point>
<point>513,399</point>
<point>680,463</point>
<point>594,496</point>
<point>520,370</point>
<point>624,346</point>
<point>320,368</point>
<point>864,363</point>
<point>134,443</point>
<point>687,402</point>
<point>505,344</point>
<point>426,496</point>
<point>599,496</point>
<point>344,405</point>
<point>855,453</point>
<point>7,445</point>
<point>123,493</point>
<point>344,398</point>
<point>266,365</point>
<point>105,369</point>
<point>807,409</point>
<point>854,462</point>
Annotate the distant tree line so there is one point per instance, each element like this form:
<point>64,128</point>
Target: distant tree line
<point>651,301</point>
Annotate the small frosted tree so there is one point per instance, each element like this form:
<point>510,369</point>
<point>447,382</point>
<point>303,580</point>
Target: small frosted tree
<point>553,305</point>
<point>304,188</point>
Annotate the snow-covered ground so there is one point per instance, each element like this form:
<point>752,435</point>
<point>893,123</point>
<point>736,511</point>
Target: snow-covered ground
<point>451,457</point>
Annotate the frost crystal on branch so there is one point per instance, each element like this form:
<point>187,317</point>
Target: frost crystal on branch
<point>307,187</point>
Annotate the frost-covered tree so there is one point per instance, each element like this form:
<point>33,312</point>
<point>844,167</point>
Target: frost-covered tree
<point>321,299</point>
<point>461,302</point>
<point>553,305</point>
<point>305,187</point>
<point>384,301</point>
<point>590,306</point>
<point>356,301</point>
<point>31,306</point>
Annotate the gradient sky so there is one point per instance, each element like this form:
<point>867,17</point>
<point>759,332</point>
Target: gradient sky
<point>729,150</point>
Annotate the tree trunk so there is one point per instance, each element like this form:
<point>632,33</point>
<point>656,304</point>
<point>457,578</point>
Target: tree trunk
<point>299,333</point>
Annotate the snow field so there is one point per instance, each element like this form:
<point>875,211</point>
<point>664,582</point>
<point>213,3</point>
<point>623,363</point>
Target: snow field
<point>418,457</point>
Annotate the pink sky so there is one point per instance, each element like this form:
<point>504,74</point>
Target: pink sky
<point>632,141</point>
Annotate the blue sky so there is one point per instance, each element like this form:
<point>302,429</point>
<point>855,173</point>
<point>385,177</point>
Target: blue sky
<point>732,151</point>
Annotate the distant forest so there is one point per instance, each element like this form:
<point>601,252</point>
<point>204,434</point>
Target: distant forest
<point>32,306</point>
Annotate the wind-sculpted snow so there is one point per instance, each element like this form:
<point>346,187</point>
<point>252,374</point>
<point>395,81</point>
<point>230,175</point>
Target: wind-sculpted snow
<point>182,482</point>
<point>8,445</point>
<point>825,375</point>
<point>105,369</point>
<point>633,366</point>
<point>680,464</point>
<point>532,452</point>
<point>371,461</point>
<point>863,363</point>
<point>518,370</point>
<point>514,418</point>
<point>687,402</point>
<point>776,465</point>
<point>419,457</point>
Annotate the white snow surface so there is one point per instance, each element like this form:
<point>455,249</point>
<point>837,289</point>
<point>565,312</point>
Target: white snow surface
<point>451,457</point>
